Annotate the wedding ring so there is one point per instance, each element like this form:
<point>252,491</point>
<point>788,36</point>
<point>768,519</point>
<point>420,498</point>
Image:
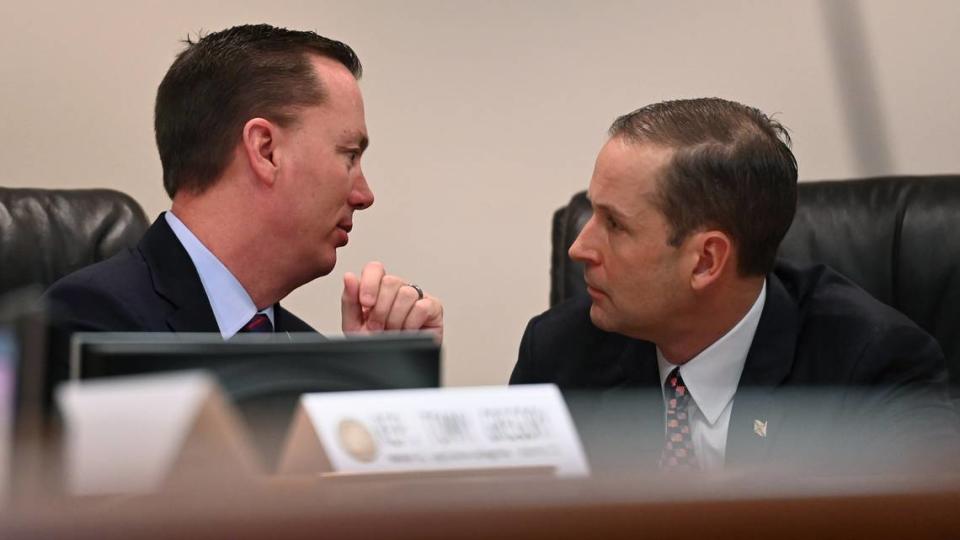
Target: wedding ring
<point>418,289</point>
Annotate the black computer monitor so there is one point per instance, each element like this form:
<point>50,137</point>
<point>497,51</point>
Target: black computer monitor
<point>265,374</point>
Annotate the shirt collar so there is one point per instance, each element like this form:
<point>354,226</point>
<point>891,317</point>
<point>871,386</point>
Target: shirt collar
<point>713,375</point>
<point>232,306</point>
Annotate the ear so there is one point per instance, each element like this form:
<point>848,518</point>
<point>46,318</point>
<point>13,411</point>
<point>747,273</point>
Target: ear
<point>712,252</point>
<point>259,147</point>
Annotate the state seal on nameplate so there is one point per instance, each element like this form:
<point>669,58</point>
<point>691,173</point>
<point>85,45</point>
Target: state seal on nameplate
<point>357,440</point>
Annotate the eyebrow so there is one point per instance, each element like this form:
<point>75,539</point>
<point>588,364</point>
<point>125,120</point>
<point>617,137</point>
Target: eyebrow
<point>357,138</point>
<point>606,208</point>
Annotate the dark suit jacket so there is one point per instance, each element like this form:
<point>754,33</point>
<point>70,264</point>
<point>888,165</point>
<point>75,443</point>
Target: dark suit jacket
<point>153,288</point>
<point>831,372</point>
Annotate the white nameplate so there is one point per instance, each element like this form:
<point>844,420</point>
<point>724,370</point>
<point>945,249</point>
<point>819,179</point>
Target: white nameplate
<point>449,429</point>
<point>136,434</point>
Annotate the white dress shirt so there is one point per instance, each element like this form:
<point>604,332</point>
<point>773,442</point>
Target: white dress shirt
<point>711,378</point>
<point>232,306</point>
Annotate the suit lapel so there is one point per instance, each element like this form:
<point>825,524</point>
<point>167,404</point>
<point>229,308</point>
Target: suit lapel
<point>288,322</point>
<point>756,417</point>
<point>639,364</point>
<point>176,279</point>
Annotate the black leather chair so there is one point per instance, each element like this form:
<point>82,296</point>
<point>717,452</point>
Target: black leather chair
<point>46,234</point>
<point>897,237</point>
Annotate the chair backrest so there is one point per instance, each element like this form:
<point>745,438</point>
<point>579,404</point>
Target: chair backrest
<point>891,235</point>
<point>46,234</point>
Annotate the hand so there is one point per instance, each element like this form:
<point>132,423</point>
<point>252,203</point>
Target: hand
<point>378,301</point>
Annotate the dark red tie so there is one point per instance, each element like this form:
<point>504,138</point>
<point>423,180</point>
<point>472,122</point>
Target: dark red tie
<point>678,451</point>
<point>259,323</point>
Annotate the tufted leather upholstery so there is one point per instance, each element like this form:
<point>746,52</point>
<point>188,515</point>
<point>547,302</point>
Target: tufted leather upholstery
<point>566,275</point>
<point>897,237</point>
<point>46,234</point>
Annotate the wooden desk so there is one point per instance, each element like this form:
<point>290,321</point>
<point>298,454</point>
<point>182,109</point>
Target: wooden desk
<point>519,507</point>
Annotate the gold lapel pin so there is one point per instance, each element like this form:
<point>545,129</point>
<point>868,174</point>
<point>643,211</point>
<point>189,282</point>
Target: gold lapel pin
<point>760,428</point>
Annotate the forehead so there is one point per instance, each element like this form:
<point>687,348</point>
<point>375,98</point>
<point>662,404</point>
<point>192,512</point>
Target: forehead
<point>343,104</point>
<point>337,80</point>
<point>626,172</point>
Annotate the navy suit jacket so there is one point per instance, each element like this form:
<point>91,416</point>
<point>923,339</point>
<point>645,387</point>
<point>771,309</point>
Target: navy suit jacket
<point>152,288</point>
<point>827,361</point>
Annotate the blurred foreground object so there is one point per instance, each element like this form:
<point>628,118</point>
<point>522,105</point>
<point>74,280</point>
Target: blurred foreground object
<point>26,463</point>
<point>447,430</point>
<point>132,434</point>
<point>264,375</point>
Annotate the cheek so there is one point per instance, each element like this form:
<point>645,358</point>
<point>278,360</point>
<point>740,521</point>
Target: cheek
<point>626,262</point>
<point>333,184</point>
<point>640,273</point>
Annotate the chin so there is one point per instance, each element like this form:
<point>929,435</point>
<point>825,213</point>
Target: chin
<point>325,265</point>
<point>608,322</point>
<point>598,318</point>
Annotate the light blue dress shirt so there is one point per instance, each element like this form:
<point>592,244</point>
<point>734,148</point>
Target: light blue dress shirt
<point>232,306</point>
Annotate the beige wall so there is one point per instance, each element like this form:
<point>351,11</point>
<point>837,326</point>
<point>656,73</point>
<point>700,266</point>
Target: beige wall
<point>485,116</point>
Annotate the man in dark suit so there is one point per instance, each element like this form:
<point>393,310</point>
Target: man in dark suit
<point>260,132</point>
<point>697,346</point>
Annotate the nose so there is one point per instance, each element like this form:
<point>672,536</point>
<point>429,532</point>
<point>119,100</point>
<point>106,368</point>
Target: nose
<point>361,196</point>
<point>583,250</point>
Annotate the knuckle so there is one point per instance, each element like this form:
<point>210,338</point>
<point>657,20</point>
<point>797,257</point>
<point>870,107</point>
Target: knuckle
<point>413,322</point>
<point>423,310</point>
<point>379,312</point>
<point>431,305</point>
<point>409,294</point>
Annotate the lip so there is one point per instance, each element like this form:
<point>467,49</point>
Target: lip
<point>595,292</point>
<point>344,230</point>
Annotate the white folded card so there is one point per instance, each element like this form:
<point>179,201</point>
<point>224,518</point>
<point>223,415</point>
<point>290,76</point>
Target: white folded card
<point>389,431</point>
<point>131,434</point>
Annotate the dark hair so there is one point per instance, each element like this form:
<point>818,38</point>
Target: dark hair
<point>732,169</point>
<point>224,79</point>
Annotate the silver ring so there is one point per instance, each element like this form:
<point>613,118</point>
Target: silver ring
<point>418,289</point>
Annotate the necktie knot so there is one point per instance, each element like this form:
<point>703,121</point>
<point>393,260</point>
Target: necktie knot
<point>260,323</point>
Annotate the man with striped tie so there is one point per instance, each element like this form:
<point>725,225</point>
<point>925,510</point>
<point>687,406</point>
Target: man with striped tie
<point>687,300</point>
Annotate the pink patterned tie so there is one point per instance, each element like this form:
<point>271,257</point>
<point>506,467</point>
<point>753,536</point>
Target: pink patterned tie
<point>260,323</point>
<point>678,451</point>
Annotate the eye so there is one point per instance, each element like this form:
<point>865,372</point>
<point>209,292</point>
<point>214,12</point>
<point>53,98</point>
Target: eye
<point>353,156</point>
<point>612,223</point>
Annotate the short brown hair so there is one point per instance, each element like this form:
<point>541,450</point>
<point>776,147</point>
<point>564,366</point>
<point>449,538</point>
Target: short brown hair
<point>224,79</point>
<point>732,169</point>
